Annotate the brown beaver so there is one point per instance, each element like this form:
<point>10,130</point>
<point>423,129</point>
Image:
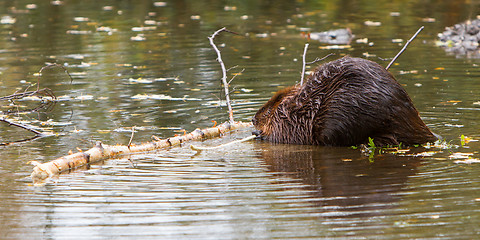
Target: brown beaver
<point>343,103</point>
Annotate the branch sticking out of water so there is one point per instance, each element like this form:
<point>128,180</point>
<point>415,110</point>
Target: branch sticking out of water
<point>224,71</point>
<point>304,63</point>
<point>405,47</point>
<point>312,62</point>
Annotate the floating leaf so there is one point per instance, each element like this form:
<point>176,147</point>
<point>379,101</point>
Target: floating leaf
<point>159,4</point>
<point>428,20</point>
<point>372,23</point>
<point>31,6</point>
<point>7,20</point>
<point>362,40</point>
<point>139,37</point>
<point>408,72</point>
<point>335,47</point>
<point>139,80</point>
<point>84,97</point>
<point>162,97</point>
<point>141,29</point>
<point>230,8</point>
<point>106,29</point>
<point>150,22</point>
<point>81,19</point>
<point>56,3</point>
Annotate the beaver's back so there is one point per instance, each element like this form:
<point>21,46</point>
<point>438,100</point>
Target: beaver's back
<point>344,102</point>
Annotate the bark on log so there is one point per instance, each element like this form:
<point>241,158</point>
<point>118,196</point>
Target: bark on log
<point>43,171</point>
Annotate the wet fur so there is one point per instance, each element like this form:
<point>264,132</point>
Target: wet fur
<point>343,103</point>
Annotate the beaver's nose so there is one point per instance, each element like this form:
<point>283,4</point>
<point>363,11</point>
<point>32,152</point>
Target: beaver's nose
<point>257,133</point>
<point>254,121</point>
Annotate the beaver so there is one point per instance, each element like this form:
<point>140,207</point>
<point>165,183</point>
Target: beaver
<point>343,103</point>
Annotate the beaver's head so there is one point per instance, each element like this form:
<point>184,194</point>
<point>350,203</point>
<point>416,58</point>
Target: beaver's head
<point>266,119</point>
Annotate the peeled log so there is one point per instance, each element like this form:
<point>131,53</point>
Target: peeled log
<point>43,171</point>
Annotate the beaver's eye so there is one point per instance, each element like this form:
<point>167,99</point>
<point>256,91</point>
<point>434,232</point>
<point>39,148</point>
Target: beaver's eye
<point>267,113</point>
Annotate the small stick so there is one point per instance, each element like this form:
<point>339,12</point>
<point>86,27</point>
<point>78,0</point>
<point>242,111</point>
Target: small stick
<point>404,47</point>
<point>22,126</point>
<point>37,133</point>
<point>224,72</point>
<point>304,63</point>
<point>198,149</point>
<point>320,59</point>
<point>234,76</point>
<point>131,137</point>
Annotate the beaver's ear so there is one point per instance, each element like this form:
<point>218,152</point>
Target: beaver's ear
<point>282,94</point>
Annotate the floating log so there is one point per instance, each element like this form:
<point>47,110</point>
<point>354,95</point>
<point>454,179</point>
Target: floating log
<point>43,171</point>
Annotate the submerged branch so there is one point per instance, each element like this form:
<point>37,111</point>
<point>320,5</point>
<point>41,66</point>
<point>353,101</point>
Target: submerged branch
<point>198,149</point>
<point>23,126</point>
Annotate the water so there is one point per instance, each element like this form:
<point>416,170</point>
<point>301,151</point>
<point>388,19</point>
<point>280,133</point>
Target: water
<point>151,66</point>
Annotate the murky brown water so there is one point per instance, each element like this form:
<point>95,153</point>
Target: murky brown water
<point>149,65</point>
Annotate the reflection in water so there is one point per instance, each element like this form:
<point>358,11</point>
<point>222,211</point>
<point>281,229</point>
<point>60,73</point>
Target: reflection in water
<point>344,179</point>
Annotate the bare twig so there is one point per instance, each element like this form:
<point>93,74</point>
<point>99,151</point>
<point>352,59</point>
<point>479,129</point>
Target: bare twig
<point>312,62</point>
<point>26,127</point>
<point>404,47</point>
<point>41,92</point>
<point>224,71</point>
<point>44,92</point>
<point>232,68</point>
<point>131,137</point>
<point>50,65</point>
<point>304,63</point>
<point>234,76</point>
<point>384,59</point>
<point>320,59</point>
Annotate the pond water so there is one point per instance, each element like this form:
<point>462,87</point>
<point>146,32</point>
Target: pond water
<point>149,64</point>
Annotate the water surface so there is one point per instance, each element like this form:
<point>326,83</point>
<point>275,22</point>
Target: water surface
<point>149,64</point>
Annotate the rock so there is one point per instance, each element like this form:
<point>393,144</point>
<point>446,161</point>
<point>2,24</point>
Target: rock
<point>336,36</point>
<point>462,39</point>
